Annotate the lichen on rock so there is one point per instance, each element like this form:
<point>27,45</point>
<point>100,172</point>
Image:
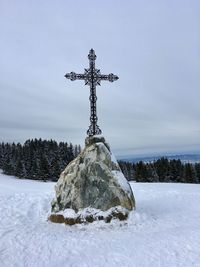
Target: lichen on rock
<point>93,180</point>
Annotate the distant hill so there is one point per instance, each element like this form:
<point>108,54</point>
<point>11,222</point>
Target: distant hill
<point>185,158</point>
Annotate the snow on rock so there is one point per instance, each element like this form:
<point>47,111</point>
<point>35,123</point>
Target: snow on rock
<point>93,180</point>
<point>89,215</point>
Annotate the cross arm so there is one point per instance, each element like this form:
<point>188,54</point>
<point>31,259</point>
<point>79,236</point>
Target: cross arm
<point>74,76</point>
<point>110,77</point>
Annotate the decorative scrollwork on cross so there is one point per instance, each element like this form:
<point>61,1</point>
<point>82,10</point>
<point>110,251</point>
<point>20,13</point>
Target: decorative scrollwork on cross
<point>93,78</point>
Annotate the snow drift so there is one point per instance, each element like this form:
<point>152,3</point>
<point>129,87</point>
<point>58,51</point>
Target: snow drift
<point>164,230</point>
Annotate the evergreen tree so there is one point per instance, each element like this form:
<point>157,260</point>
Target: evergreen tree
<point>189,173</point>
<point>197,169</point>
<point>55,169</point>
<point>43,168</point>
<point>141,172</point>
<point>7,166</point>
<point>19,169</point>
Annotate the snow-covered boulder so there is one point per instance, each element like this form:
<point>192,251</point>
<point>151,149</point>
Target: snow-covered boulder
<point>92,181</point>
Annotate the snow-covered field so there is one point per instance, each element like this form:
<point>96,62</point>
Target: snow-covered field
<point>163,231</point>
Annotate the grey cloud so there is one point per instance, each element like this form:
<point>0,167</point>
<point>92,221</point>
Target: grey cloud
<point>152,45</point>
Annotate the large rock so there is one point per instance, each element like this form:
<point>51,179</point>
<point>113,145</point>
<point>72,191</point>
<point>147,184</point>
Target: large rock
<point>94,181</point>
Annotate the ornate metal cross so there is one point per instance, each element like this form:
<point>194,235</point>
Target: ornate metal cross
<point>92,77</point>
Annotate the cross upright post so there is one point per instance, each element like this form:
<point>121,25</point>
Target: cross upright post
<point>93,78</point>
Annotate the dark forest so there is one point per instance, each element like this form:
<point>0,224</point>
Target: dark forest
<point>44,160</point>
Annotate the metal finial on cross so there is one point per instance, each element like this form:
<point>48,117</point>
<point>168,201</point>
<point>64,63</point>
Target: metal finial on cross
<point>93,78</point>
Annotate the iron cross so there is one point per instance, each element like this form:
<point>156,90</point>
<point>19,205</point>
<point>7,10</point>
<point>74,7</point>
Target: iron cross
<point>93,78</point>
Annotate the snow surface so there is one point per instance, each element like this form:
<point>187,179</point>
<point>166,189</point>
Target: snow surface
<point>163,231</point>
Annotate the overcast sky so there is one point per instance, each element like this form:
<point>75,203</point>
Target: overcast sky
<point>153,46</point>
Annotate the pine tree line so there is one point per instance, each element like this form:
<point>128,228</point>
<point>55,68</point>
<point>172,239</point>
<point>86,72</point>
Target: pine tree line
<point>37,159</point>
<point>162,170</point>
<point>45,160</point>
